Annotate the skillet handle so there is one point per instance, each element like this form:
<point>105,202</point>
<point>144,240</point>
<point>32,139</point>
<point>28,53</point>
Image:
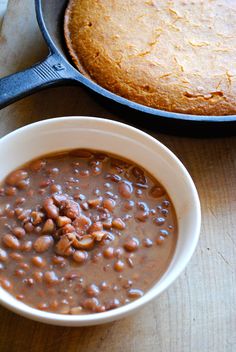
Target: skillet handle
<point>48,72</point>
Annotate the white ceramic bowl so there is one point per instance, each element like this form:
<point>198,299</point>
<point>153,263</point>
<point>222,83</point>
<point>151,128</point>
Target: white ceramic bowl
<point>57,134</point>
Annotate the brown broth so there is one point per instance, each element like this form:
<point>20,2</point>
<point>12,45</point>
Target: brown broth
<point>83,231</point>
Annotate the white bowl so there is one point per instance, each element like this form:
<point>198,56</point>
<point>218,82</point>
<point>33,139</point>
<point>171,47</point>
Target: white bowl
<point>57,134</point>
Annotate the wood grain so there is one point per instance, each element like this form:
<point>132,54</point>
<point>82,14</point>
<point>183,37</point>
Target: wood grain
<point>198,312</point>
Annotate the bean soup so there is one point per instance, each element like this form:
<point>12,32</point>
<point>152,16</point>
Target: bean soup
<point>82,232</point>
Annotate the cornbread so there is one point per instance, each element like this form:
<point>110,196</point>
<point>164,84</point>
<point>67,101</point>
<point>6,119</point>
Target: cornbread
<point>174,55</point>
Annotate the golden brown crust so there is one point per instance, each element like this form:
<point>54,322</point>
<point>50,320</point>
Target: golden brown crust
<point>174,55</point>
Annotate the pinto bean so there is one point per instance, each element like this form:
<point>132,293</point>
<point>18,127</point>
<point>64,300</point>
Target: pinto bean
<point>103,213</point>
<point>157,192</point>
<point>52,171</point>
<point>23,215</point>
<point>119,252</point>
<point>164,233</point>
<point>63,246</point>
<point>76,310</point>
<point>117,223</point>
<point>19,273</point>
<point>87,242</point>
<point>159,221</point>
<point>93,290</point>
<point>38,276</point>
<point>37,165</point>
<point>10,213</point>
<point>80,256</point>
<point>29,227</point>
<point>142,215</point>
<point>3,255</point>
<point>127,283</point>
<point>112,303</point>
<point>94,203</point>
<point>96,170</point>
<point>63,220</point>
<point>107,224</point>
<point>16,256</point>
<point>23,184</point>
<point>11,191</point>
<point>26,246</point>
<point>160,240</point>
<point>51,210</point>
<point>48,227</point>
<point>43,306</point>
<point>68,229</point>
<point>50,277</point>
<point>129,205</point>
<point>166,203</point>
<point>143,206</point>
<point>119,266</point>
<point>59,199</point>
<point>84,173</point>
<point>108,252</point>
<point>6,284</point>
<point>43,243</point>
<point>96,226</point>
<point>100,156</point>
<point>20,297</point>
<point>11,241</point>
<point>38,261</point>
<point>104,286</point>
<point>71,209</point>
<point>24,266</point>
<point>84,206</point>
<point>147,242</point>
<point>99,235</point>
<point>16,177</point>
<point>131,244</point>
<point>109,204</point>
<point>58,260</point>
<point>37,217</point>
<point>55,188</point>
<point>125,189</point>
<point>82,223</point>
<point>120,163</point>
<point>19,232</point>
<point>44,184</point>
<point>29,282</point>
<point>20,200</point>
<point>137,172</point>
<point>91,304</point>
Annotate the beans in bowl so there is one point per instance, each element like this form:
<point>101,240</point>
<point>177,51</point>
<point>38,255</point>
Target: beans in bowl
<point>82,231</point>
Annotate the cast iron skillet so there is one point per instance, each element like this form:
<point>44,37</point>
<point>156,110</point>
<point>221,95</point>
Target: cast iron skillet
<point>56,69</point>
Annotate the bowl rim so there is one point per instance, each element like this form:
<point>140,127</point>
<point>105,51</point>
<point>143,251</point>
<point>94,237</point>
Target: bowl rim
<point>99,318</point>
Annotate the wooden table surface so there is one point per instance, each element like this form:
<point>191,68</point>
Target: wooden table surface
<point>198,312</point>
<point>3,6</point>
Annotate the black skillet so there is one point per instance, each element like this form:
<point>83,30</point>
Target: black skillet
<point>56,69</point>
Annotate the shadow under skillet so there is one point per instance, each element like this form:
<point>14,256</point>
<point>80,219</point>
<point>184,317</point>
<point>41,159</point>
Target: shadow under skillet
<point>168,125</point>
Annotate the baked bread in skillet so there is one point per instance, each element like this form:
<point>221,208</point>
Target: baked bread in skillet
<point>177,55</point>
